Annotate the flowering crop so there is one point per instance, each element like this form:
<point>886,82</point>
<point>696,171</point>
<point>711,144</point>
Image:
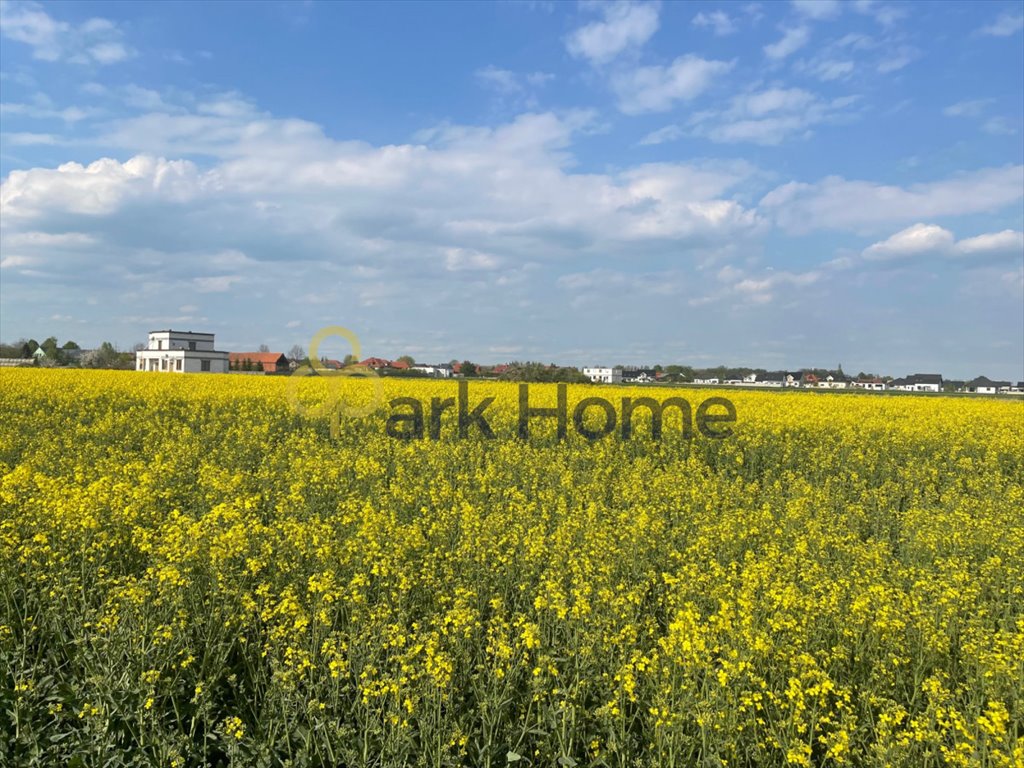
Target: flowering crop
<point>195,573</point>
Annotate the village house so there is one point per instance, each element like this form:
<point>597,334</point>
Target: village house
<point>603,375</point>
<point>985,386</point>
<point>871,384</point>
<point>268,362</point>
<point>919,382</point>
<point>181,352</point>
<point>833,380</point>
<point>638,375</point>
<point>440,371</point>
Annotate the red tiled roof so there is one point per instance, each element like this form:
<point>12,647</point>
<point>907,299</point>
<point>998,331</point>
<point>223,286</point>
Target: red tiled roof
<point>256,357</point>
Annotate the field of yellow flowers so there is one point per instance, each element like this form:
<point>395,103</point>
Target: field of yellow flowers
<point>195,573</point>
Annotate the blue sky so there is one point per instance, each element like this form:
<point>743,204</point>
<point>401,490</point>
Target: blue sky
<point>765,184</point>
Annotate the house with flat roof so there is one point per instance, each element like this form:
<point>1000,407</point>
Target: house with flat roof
<point>181,352</point>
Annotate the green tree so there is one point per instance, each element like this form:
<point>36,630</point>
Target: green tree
<point>468,368</point>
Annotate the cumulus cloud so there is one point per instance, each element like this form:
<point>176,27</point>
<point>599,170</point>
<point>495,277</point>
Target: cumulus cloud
<point>658,88</point>
<point>461,204</point>
<point>920,238</point>
<point>838,203</point>
<point>930,239</point>
<point>623,26</point>
<point>95,41</point>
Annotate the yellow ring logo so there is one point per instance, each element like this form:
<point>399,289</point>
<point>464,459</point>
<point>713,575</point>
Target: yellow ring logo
<point>334,407</point>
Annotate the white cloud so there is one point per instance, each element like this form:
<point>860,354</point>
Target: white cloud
<point>1006,24</point>
<point>507,82</point>
<point>972,108</point>
<point>217,284</point>
<point>624,26</point>
<point>662,135</point>
<point>998,126</point>
<point>930,239</point>
<point>768,117</point>
<point>886,15</point>
<point>29,139</point>
<point>976,108</point>
<point>368,223</point>
<point>792,40</point>
<point>897,59</point>
<point>837,203</point>
<point>918,239</point>
<point>658,88</point>
<point>832,69</point>
<point>95,41</point>
<point>719,21</point>
<point>461,259</point>
<point>817,9</point>
<point>1008,241</point>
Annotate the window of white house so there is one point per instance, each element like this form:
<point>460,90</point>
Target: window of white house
<point>205,365</point>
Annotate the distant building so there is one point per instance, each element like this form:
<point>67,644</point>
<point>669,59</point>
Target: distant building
<point>919,382</point>
<point>601,375</point>
<point>638,375</point>
<point>440,371</point>
<point>985,386</point>
<point>181,352</point>
<point>268,362</point>
<point>871,384</point>
<point>833,380</point>
<point>375,363</point>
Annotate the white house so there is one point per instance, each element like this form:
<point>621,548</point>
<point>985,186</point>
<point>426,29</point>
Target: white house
<point>918,382</point>
<point>443,371</point>
<point>985,386</point>
<point>875,385</point>
<point>706,381</point>
<point>600,375</point>
<point>181,352</point>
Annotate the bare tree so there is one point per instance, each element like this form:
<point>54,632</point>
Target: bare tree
<point>264,348</point>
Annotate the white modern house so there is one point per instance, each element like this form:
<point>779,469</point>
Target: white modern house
<point>604,375</point>
<point>985,386</point>
<point>442,371</point>
<point>918,382</point>
<point>181,352</point>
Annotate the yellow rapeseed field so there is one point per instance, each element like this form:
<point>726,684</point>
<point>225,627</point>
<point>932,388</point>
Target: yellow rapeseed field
<point>196,573</point>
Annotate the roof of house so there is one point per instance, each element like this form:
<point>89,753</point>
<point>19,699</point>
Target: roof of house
<point>257,357</point>
<point>184,333</point>
<point>375,362</point>
<point>984,381</point>
<point>400,365</point>
<point>925,378</point>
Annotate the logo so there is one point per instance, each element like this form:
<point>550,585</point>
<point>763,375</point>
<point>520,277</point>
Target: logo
<point>334,406</point>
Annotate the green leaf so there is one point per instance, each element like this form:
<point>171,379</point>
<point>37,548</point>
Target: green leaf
<point>567,761</point>
<point>512,757</point>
